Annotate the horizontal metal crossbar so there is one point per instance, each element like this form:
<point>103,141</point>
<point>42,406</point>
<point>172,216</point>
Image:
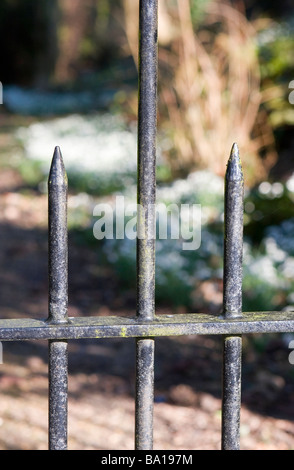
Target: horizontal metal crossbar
<point>161,325</point>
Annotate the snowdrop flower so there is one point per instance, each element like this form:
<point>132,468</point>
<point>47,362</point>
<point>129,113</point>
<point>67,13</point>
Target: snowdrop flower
<point>273,251</point>
<point>263,269</point>
<point>100,144</point>
<point>290,183</point>
<point>288,268</point>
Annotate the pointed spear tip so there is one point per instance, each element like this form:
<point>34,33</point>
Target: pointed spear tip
<point>57,151</point>
<point>235,150</point>
<point>57,156</point>
<point>57,174</point>
<point>234,167</point>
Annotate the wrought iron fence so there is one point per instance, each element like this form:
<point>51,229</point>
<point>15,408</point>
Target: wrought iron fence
<point>58,328</point>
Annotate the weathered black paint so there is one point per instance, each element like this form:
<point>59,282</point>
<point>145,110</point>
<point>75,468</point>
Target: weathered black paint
<point>232,304</point>
<point>147,129</point>
<point>22,329</point>
<point>58,240</point>
<point>58,300</point>
<point>231,400</point>
<point>58,396</point>
<point>122,327</point>
<point>144,394</point>
<point>233,235</point>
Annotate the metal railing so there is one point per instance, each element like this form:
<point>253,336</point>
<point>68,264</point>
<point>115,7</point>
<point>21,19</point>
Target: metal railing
<point>145,326</point>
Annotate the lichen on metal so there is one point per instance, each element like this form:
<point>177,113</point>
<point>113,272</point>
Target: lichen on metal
<point>161,325</point>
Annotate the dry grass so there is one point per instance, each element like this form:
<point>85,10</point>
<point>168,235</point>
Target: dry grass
<point>209,87</point>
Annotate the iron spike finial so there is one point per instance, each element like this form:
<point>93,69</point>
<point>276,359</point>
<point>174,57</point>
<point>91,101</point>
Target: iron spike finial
<point>57,174</point>
<point>234,167</point>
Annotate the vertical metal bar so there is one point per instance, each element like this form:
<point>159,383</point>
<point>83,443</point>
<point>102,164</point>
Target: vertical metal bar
<point>144,394</point>
<point>147,119</point>
<point>58,396</point>
<point>58,240</point>
<point>147,128</point>
<point>58,301</point>
<point>232,304</point>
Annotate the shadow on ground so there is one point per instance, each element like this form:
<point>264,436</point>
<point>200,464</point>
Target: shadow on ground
<point>101,372</point>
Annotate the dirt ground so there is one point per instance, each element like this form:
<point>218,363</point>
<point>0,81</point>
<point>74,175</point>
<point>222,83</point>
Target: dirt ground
<point>101,372</point>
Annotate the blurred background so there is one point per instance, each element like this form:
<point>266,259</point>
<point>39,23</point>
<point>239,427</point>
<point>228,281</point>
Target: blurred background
<point>69,75</point>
